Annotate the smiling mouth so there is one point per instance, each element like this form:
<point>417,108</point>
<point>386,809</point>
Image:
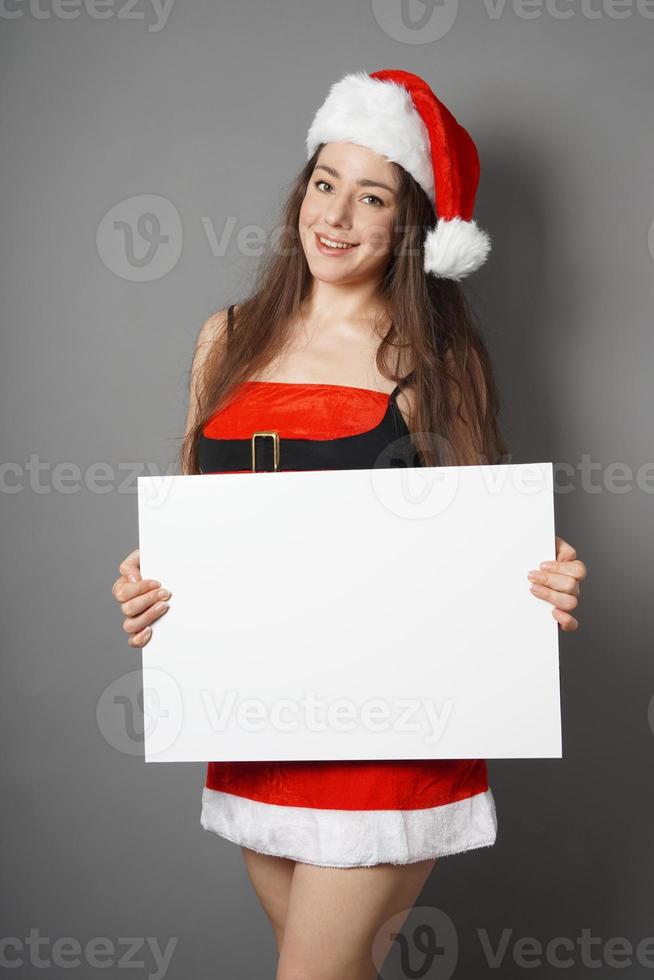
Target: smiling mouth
<point>325,243</point>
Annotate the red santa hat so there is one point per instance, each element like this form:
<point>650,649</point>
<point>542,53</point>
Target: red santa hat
<point>396,114</point>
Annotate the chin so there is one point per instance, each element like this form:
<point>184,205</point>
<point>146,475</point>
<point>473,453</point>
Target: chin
<point>324,275</point>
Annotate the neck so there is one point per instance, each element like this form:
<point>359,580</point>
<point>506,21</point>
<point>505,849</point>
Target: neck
<point>349,302</point>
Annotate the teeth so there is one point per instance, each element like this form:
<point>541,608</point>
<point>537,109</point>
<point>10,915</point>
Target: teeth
<point>326,241</point>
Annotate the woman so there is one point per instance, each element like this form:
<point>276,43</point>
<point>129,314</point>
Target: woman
<point>357,340</point>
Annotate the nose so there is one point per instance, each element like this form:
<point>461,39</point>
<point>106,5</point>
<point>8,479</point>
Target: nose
<point>337,213</point>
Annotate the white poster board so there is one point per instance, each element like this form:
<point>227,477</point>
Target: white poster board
<point>351,614</point>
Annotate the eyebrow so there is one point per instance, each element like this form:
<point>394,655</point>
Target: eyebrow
<point>361,183</point>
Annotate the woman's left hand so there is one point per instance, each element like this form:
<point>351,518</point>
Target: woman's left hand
<point>558,582</point>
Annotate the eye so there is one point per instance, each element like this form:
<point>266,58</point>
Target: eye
<point>374,197</point>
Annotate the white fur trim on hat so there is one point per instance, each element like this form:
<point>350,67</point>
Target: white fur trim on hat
<point>380,115</point>
<point>455,248</point>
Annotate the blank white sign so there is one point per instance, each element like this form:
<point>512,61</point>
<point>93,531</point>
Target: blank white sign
<point>351,614</point>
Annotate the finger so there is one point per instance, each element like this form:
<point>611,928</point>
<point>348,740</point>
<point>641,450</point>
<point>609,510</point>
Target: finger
<point>124,591</point>
<point>137,605</point>
<point>140,639</point>
<point>575,568</point>
<point>559,599</point>
<point>565,620</point>
<point>130,567</point>
<point>124,580</point>
<point>555,580</point>
<point>134,624</point>
<point>564,551</point>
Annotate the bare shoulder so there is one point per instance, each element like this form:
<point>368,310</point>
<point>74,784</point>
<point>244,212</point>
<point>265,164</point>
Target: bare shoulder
<point>213,329</point>
<point>212,332</point>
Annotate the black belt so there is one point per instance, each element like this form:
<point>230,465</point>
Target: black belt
<point>265,434</point>
<point>265,451</point>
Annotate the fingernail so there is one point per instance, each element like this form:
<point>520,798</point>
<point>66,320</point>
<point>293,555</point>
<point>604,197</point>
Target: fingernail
<point>537,590</point>
<point>161,606</point>
<point>147,630</point>
<point>547,564</point>
<point>164,594</point>
<point>132,578</point>
<point>533,575</point>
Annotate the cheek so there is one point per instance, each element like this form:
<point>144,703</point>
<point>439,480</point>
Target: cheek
<point>377,235</point>
<point>309,212</point>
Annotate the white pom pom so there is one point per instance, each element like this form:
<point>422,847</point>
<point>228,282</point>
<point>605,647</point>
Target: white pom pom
<point>455,248</point>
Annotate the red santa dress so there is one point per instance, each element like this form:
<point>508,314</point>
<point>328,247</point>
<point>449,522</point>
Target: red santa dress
<point>336,813</point>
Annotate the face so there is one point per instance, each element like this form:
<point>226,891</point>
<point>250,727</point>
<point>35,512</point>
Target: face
<point>351,198</point>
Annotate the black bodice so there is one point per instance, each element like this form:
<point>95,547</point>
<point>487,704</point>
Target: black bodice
<point>388,444</point>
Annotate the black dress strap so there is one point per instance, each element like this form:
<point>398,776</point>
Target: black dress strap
<point>230,323</point>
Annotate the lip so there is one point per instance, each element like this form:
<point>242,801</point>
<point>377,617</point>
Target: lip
<point>327,250</point>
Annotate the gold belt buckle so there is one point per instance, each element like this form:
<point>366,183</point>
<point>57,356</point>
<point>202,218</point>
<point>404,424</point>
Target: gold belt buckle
<point>275,438</point>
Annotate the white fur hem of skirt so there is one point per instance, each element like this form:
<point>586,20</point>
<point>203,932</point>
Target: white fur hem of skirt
<point>351,838</point>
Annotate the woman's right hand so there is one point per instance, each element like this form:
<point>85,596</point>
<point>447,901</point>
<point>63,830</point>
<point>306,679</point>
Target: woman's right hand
<point>142,600</point>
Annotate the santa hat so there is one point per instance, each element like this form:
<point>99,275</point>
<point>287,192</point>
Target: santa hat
<point>395,113</point>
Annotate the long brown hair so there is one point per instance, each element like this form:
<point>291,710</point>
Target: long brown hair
<point>432,327</point>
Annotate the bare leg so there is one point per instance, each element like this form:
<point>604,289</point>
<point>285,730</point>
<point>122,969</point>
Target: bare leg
<point>271,878</point>
<point>334,914</point>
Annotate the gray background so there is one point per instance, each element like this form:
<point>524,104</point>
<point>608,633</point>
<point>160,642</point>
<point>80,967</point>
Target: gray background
<point>210,112</point>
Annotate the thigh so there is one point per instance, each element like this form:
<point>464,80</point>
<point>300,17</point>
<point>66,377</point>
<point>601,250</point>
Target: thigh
<point>271,879</point>
<point>334,914</point>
